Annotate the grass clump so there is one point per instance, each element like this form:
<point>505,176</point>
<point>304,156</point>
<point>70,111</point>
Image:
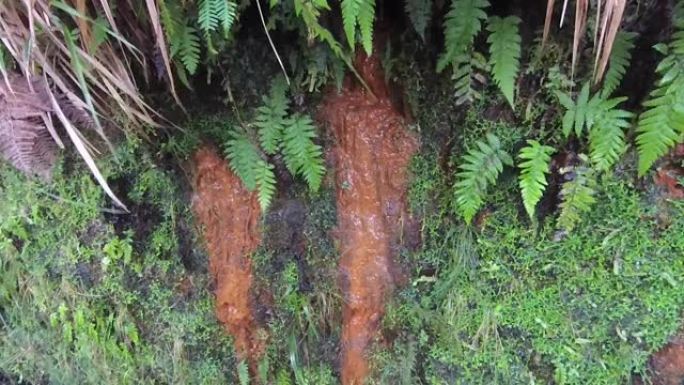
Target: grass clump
<point>508,305</point>
<point>90,296</point>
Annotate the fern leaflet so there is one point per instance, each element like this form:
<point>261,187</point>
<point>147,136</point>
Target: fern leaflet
<point>226,11</point>
<point>536,159</point>
<point>607,137</point>
<point>185,44</point>
<point>366,19</point>
<point>504,53</point>
<point>361,13</point>
<point>661,126</point>
<point>620,57</point>
<point>302,156</point>
<point>468,69</point>
<point>578,196</point>
<point>463,22</point>
<point>271,115</point>
<point>243,156</point>
<point>419,12</point>
<point>480,168</point>
<point>206,16</point>
<point>265,183</point>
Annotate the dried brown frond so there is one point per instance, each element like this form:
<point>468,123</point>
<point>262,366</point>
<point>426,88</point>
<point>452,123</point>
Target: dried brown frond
<point>25,141</point>
<point>609,17</point>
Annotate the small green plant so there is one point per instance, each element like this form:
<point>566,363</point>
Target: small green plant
<point>535,161</point>
<point>661,126</point>
<point>577,194</point>
<point>504,53</point>
<point>291,136</point>
<point>479,169</point>
<point>462,25</point>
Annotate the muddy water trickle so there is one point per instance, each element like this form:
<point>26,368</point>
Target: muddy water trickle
<point>229,215</point>
<point>372,152</point>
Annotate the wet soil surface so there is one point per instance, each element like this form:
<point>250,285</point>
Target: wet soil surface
<point>372,151</point>
<point>229,215</point>
<point>667,365</point>
<point>671,173</point>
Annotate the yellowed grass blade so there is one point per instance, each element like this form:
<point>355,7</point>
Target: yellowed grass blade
<point>83,151</point>
<point>161,44</point>
<point>611,28</point>
<point>581,8</point>
<point>547,21</point>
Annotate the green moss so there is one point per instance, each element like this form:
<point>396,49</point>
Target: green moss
<point>83,301</point>
<point>509,305</point>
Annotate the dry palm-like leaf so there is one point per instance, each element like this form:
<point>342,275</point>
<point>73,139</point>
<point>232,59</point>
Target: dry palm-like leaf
<point>25,141</point>
<point>609,17</point>
<point>81,83</point>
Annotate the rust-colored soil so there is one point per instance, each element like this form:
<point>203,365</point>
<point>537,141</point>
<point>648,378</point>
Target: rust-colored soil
<point>372,152</point>
<point>668,363</point>
<point>229,215</point>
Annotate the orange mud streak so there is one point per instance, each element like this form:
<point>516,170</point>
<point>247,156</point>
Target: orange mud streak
<point>229,215</point>
<point>668,363</point>
<point>372,153</point>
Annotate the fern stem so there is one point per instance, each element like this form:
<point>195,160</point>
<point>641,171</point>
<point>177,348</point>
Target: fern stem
<point>270,41</point>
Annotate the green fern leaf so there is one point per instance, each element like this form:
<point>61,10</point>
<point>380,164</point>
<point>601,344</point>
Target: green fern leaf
<point>366,18</point>
<point>243,157</point>
<point>661,125</point>
<point>606,136</point>
<point>479,168</point>
<point>226,11</point>
<point>504,49</point>
<point>243,373</point>
<point>206,16</point>
<point>350,14</point>
<point>468,69</point>
<point>302,156</point>
<point>419,12</point>
<point>462,23</point>
<point>620,57</point>
<point>265,183</point>
<point>186,45</point>
<point>536,160</point>
<point>575,117</point>
<point>577,196</point>
<point>271,115</point>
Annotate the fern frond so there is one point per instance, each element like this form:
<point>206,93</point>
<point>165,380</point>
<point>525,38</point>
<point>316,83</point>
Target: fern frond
<point>576,111</point>
<point>271,115</point>
<point>302,156</point>
<point>185,44</point>
<point>366,19</point>
<point>361,13</point>
<point>419,12</point>
<point>536,160</point>
<point>243,157</point>
<point>226,11</point>
<point>462,23</point>
<point>468,69</point>
<point>480,167</point>
<point>661,126</point>
<point>607,137</point>
<point>265,183</point>
<point>577,196</point>
<point>504,53</point>
<point>620,57</point>
<point>206,15</point>
<point>350,14</point>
